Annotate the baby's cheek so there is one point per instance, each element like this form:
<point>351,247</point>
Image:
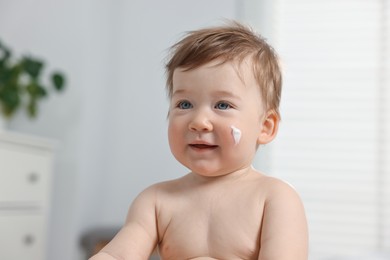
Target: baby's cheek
<point>173,134</point>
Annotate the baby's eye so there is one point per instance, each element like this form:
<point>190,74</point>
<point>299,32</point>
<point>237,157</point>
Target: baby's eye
<point>184,105</point>
<point>222,105</point>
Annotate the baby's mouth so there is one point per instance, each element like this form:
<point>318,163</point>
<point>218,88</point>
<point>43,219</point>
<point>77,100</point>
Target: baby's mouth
<point>204,146</point>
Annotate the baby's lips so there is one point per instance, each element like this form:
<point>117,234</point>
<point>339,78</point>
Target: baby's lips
<point>203,145</point>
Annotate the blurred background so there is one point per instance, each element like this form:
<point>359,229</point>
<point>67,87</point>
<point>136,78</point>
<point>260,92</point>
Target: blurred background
<point>109,125</point>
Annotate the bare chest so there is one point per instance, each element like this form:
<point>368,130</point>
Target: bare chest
<point>223,225</point>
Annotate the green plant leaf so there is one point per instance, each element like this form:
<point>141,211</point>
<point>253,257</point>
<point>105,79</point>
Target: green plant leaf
<point>10,100</point>
<point>32,66</point>
<point>58,81</point>
<point>36,91</point>
<point>42,91</point>
<point>31,89</point>
<point>14,74</point>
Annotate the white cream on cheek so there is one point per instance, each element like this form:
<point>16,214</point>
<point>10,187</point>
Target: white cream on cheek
<point>236,133</point>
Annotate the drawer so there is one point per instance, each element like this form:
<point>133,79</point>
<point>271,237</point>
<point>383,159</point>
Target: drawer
<point>24,176</point>
<point>21,237</point>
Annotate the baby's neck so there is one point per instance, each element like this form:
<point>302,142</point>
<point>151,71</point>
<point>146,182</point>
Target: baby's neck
<point>228,177</point>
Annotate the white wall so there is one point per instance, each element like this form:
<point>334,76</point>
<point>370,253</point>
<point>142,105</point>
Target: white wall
<point>110,122</point>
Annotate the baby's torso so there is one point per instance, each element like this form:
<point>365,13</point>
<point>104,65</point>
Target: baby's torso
<point>211,221</point>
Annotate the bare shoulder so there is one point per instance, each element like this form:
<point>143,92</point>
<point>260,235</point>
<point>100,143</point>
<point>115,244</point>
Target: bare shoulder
<point>169,187</point>
<point>154,192</point>
<point>273,189</point>
<point>279,189</point>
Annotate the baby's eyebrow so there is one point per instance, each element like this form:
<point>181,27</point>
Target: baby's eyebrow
<point>179,91</point>
<point>225,93</point>
<point>215,94</point>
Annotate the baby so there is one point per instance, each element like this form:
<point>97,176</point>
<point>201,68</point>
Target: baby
<point>224,86</point>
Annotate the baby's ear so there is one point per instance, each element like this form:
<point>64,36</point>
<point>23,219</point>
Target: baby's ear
<point>269,128</point>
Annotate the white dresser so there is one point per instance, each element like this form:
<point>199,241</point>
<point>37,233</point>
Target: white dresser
<point>25,179</point>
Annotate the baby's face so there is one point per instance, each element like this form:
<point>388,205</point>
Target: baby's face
<point>210,106</point>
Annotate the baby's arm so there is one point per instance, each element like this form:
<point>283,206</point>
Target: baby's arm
<point>284,234</point>
<point>138,237</point>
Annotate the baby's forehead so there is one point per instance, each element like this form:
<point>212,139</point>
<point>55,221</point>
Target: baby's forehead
<point>243,67</point>
<point>224,76</point>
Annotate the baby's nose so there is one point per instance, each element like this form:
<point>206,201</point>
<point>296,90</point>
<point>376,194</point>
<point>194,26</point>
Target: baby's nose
<point>200,122</point>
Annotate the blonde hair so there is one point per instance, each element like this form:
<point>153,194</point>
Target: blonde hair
<point>231,42</point>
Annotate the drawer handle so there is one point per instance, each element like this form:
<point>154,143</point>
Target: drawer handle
<point>28,240</point>
<point>33,177</point>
